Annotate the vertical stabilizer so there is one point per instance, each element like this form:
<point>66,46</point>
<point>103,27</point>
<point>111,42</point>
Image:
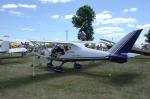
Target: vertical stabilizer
<point>125,44</point>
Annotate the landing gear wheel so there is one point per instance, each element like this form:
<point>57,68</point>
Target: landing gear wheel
<point>59,69</point>
<point>50,65</point>
<point>77,66</point>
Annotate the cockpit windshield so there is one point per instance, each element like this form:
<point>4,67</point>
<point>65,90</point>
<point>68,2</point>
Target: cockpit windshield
<point>59,50</point>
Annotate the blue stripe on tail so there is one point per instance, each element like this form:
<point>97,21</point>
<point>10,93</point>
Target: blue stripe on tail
<point>118,53</point>
<point>125,44</point>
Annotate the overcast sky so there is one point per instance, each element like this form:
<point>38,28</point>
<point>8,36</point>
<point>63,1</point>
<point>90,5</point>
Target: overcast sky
<point>49,19</point>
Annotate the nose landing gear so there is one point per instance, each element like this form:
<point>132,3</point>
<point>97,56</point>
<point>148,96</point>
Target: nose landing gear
<point>50,64</point>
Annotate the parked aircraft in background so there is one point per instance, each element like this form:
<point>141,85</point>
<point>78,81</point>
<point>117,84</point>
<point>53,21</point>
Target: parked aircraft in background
<point>73,52</point>
<point>134,49</point>
<point>5,48</point>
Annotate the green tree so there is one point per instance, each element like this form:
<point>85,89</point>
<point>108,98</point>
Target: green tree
<point>148,36</point>
<point>83,21</point>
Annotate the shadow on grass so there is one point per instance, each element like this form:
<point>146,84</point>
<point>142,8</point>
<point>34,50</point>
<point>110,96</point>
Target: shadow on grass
<point>12,57</point>
<point>7,62</point>
<point>13,60</point>
<point>115,79</point>
<point>124,79</point>
<point>22,81</point>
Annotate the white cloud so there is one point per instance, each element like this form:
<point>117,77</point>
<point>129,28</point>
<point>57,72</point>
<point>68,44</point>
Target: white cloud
<point>125,10</point>
<point>118,20</point>
<point>106,30</point>
<point>68,17</point>
<point>55,16</point>
<point>103,15</point>
<point>13,6</point>
<point>131,25</point>
<point>130,10</point>
<point>133,9</point>
<point>110,33</point>
<point>27,29</point>
<point>115,21</point>
<point>17,13</point>
<point>106,18</point>
<point>100,17</point>
<point>9,6</point>
<point>27,6</point>
<point>55,1</point>
<point>145,26</point>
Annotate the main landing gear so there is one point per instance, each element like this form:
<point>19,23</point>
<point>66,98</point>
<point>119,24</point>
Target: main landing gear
<point>77,66</point>
<point>56,68</point>
<point>60,68</point>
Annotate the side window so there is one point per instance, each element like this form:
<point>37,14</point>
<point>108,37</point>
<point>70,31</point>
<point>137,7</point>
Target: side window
<point>66,47</point>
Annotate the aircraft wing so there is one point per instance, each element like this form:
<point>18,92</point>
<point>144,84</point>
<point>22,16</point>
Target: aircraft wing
<point>107,41</point>
<point>133,50</point>
<point>41,51</point>
<point>71,44</point>
<point>17,50</point>
<point>2,51</point>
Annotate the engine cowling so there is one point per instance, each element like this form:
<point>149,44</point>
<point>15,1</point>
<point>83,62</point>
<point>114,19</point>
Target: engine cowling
<point>118,58</point>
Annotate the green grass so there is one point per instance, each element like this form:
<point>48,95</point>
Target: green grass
<point>97,80</point>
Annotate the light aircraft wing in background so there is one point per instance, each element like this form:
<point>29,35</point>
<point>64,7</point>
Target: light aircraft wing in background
<point>107,41</point>
<point>5,48</point>
<point>17,50</point>
<point>133,50</point>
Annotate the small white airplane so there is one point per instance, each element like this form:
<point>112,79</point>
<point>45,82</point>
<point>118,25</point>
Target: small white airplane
<point>73,52</point>
<point>5,48</point>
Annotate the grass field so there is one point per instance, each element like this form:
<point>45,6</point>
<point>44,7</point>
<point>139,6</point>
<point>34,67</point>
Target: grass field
<point>97,80</point>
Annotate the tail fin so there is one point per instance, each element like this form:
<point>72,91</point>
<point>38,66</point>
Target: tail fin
<point>125,44</point>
